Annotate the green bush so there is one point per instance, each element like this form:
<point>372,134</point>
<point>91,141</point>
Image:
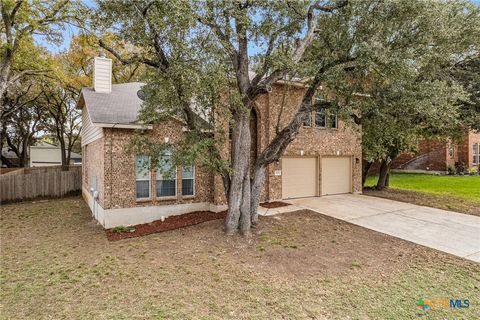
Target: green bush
<point>472,171</point>
<point>451,170</point>
<point>120,229</point>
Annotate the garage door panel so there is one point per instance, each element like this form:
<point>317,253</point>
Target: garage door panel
<point>299,177</point>
<point>336,175</point>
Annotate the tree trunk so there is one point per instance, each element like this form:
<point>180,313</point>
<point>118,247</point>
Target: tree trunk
<point>4,76</point>
<point>258,180</point>
<point>24,153</point>
<point>245,219</point>
<point>239,197</point>
<point>366,165</point>
<point>278,145</point>
<point>63,152</point>
<point>383,175</point>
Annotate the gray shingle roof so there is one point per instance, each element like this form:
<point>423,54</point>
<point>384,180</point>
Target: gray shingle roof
<point>120,106</point>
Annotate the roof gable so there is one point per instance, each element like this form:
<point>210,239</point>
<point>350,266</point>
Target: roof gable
<point>121,106</point>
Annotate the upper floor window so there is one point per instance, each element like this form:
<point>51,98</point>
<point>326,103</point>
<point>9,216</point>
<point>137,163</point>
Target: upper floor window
<point>142,176</point>
<point>323,117</point>
<point>188,180</point>
<point>320,117</point>
<point>476,153</point>
<point>166,176</point>
<point>307,121</point>
<point>333,121</point>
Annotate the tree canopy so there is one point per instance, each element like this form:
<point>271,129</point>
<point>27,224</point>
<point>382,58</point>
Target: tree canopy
<point>403,70</point>
<point>381,61</point>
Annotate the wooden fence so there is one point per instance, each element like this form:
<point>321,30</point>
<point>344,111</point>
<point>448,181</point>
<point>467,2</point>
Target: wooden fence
<point>38,182</point>
<point>7,170</point>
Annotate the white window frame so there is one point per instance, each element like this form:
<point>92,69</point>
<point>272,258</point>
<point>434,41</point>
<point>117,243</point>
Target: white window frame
<point>327,116</point>
<point>193,178</point>
<point>315,112</point>
<point>310,120</point>
<point>476,155</point>
<point>451,151</point>
<point>149,179</point>
<point>157,173</point>
<point>324,119</point>
<point>336,120</point>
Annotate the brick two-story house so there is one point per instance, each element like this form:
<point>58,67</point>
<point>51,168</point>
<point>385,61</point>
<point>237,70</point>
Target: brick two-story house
<point>324,159</point>
<point>438,155</point>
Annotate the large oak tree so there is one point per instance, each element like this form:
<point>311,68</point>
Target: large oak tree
<point>216,57</point>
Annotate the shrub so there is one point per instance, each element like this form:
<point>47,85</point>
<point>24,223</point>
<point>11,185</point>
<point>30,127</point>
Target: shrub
<point>120,229</point>
<point>472,171</point>
<point>451,170</point>
<point>461,168</point>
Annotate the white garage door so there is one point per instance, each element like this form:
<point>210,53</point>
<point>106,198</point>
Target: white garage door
<point>299,177</point>
<point>336,175</point>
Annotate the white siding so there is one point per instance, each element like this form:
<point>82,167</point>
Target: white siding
<point>90,132</point>
<point>43,157</point>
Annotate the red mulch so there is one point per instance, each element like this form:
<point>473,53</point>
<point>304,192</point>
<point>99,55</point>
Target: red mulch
<point>170,223</point>
<point>274,204</point>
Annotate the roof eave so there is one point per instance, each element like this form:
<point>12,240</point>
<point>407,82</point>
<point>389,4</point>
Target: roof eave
<point>123,125</point>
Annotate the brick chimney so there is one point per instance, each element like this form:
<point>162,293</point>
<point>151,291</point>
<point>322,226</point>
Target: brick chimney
<point>102,74</point>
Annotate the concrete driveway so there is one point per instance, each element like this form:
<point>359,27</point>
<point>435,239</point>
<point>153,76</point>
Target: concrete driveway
<point>451,232</point>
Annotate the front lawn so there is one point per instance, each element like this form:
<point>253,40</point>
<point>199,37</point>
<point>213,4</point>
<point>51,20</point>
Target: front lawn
<point>467,187</point>
<point>56,263</point>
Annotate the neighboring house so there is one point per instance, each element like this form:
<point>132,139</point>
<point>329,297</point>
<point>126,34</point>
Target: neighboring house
<point>43,154</point>
<point>11,157</point>
<point>325,157</point>
<point>438,155</point>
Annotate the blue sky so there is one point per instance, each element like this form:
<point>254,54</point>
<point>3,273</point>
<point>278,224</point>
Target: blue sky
<point>70,31</point>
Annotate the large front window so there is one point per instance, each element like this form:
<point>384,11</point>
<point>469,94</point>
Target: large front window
<point>142,176</point>
<point>188,180</point>
<point>166,176</point>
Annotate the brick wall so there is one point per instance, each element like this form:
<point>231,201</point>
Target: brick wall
<point>434,154</point>
<point>280,105</point>
<point>466,148</point>
<point>120,187</point>
<point>115,168</point>
<point>93,165</point>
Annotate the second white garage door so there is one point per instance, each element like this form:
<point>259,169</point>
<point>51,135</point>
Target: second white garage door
<point>336,175</point>
<point>299,177</point>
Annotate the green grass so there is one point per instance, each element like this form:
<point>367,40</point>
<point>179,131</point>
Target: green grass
<point>467,187</point>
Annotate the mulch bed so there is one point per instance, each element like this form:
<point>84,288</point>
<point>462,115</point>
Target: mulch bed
<point>170,223</point>
<point>274,204</point>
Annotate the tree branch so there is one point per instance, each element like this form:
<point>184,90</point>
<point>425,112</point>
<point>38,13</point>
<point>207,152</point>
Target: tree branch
<point>301,46</point>
<point>128,61</point>
<point>26,73</point>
